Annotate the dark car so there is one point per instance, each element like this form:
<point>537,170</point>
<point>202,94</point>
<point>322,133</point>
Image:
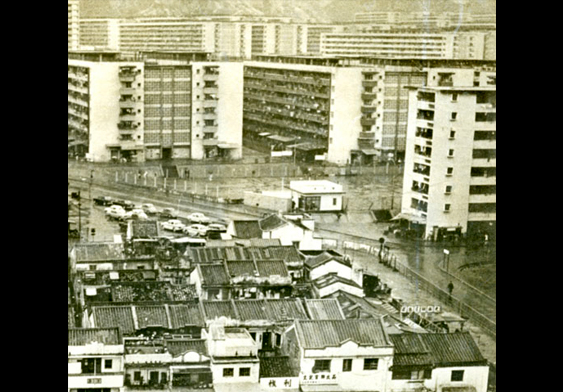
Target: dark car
<point>126,204</point>
<point>103,201</point>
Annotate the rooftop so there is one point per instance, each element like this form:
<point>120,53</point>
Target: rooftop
<point>333,278</point>
<point>325,257</point>
<point>151,291</point>
<point>319,334</point>
<point>209,255</point>
<point>247,229</point>
<point>324,309</point>
<point>316,186</point>
<point>98,251</point>
<point>255,309</point>
<point>272,367</point>
<point>144,229</point>
<point>271,222</point>
<point>84,336</point>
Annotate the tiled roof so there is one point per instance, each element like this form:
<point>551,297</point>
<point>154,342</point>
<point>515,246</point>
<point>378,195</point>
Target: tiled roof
<point>410,350</point>
<point>333,278</point>
<point>271,267</point>
<point>183,315</point>
<point>255,309</point>
<point>271,222</point>
<point>151,316</point>
<point>324,309</point>
<point>144,229</point>
<point>93,251</point>
<point>114,316</point>
<point>178,347</point>
<point>214,274</point>
<point>206,255</point>
<point>349,303</point>
<point>315,261</point>
<point>271,367</point>
<point>83,336</point>
<point>287,253</point>
<point>240,242</point>
<point>313,334</point>
<point>166,316</point>
<point>210,255</point>
<point>241,267</point>
<point>449,349</point>
<point>247,229</point>
<point>216,309</point>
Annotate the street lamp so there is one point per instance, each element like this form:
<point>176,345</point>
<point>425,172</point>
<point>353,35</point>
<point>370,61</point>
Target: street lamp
<point>393,175</point>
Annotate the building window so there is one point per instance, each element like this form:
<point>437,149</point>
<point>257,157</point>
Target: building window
<point>457,375</point>
<point>163,378</point>
<point>370,363</point>
<point>452,134</point>
<point>321,365</point>
<point>454,97</point>
<point>244,372</point>
<point>228,372</point>
<point>137,376</point>
<point>347,365</point>
<point>108,364</point>
<point>451,152</point>
<point>453,116</point>
<point>448,189</point>
<point>450,171</point>
<point>334,201</point>
<point>447,207</point>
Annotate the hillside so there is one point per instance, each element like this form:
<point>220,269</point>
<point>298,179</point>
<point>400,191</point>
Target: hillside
<point>315,10</point>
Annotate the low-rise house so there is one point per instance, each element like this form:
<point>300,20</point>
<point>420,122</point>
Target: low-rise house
<point>242,279</point>
<point>340,355</point>
<point>323,309</point>
<point>330,283</point>
<point>439,362</point>
<point>135,320</point>
<point>265,319</point>
<point>277,373</point>
<point>137,229</point>
<point>316,195</point>
<point>107,256</point>
<point>297,232</point>
<point>95,359</point>
<point>167,364</point>
<point>213,254</point>
<point>234,355</point>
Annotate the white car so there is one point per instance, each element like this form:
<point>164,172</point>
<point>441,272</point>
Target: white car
<point>168,213</point>
<point>196,230</point>
<point>173,225</point>
<point>149,208</point>
<point>115,212</point>
<point>198,217</point>
<point>137,213</point>
<point>217,228</point>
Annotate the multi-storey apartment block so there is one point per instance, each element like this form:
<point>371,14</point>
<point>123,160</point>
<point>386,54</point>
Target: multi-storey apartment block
<point>99,34</point>
<point>449,184</point>
<point>170,106</point>
<point>73,24</point>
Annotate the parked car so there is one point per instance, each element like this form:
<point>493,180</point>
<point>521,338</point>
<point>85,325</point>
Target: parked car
<point>103,200</point>
<point>126,204</point>
<point>115,212</point>
<point>198,217</point>
<point>220,221</point>
<point>174,225</point>
<point>169,213</point>
<point>217,228</point>
<point>196,230</point>
<point>135,214</point>
<point>113,207</point>
<point>149,208</point>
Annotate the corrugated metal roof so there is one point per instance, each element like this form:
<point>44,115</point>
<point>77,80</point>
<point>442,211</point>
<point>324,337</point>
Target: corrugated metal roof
<point>410,350</point>
<point>324,309</point>
<point>333,333</point>
<point>83,336</point>
<point>271,222</point>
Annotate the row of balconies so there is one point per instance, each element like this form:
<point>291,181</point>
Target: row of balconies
<point>287,112</point>
<point>295,77</point>
<point>296,89</point>
<point>288,124</point>
<point>127,125</point>
<point>369,96</point>
<point>368,109</point>
<point>421,169</point>
<point>292,101</point>
<point>423,151</point>
<point>367,121</point>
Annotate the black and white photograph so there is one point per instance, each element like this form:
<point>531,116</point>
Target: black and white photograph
<point>281,195</point>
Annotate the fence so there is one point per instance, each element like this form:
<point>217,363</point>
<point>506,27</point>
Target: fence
<point>422,283</point>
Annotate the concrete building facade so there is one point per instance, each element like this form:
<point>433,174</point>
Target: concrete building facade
<point>73,24</point>
<point>449,183</point>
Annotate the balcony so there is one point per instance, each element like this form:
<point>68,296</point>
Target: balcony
<point>210,128</point>
<point>210,142</point>
<point>127,126</point>
<point>366,143</point>
<point>367,121</point>
<point>128,116</point>
<point>127,91</point>
<point>210,116</point>
<point>211,90</point>
<point>210,103</point>
<point>211,77</point>
<point>424,105</point>
<point>368,109</point>
<point>366,135</point>
<point>369,96</point>
<point>128,75</point>
<point>127,103</point>
<point>369,83</point>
